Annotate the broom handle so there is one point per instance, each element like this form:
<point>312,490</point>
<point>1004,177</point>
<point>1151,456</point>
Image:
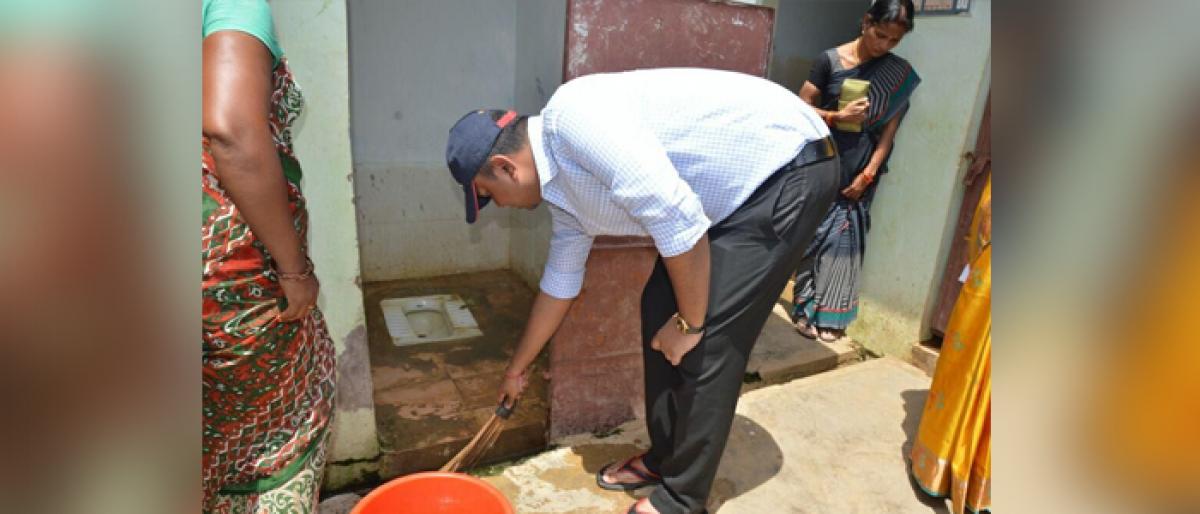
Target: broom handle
<point>505,411</point>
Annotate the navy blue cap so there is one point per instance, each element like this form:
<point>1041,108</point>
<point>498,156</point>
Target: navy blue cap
<point>471,140</point>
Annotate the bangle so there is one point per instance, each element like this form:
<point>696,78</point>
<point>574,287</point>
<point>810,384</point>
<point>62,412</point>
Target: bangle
<point>303,275</point>
<point>510,375</point>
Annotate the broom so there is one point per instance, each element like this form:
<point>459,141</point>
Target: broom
<point>482,442</point>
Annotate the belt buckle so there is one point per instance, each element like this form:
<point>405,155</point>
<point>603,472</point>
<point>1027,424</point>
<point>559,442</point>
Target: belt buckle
<point>828,145</point>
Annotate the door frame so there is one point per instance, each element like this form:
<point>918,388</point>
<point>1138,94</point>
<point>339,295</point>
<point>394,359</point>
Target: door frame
<point>974,181</point>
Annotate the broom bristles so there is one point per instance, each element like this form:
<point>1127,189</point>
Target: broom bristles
<point>477,447</point>
<point>482,442</point>
<point>491,441</point>
<point>493,433</point>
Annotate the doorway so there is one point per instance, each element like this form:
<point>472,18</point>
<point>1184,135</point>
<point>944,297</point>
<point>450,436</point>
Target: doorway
<point>804,29</point>
<point>976,178</point>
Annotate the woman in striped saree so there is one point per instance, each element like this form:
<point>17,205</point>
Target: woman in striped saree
<point>268,361</point>
<point>826,290</point>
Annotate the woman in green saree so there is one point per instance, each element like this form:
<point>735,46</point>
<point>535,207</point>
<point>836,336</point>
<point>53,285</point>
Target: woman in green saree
<point>267,359</point>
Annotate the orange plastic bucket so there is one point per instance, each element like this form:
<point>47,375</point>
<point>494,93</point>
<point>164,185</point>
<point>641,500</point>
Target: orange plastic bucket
<point>435,493</point>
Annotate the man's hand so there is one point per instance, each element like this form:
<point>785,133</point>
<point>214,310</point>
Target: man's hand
<point>512,387</point>
<point>673,343</point>
<point>547,314</point>
<point>690,272</point>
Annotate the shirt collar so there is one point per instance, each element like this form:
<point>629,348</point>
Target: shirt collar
<point>545,167</point>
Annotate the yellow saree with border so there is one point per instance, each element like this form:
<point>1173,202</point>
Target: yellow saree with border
<point>952,452</point>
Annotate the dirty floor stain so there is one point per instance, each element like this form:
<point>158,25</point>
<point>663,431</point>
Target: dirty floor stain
<point>430,399</point>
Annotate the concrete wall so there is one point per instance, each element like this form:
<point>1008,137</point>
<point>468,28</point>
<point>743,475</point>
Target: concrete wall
<point>917,204</point>
<point>313,34</point>
<point>541,27</point>
<point>416,66</point>
<point>804,29</point>
<point>393,200</point>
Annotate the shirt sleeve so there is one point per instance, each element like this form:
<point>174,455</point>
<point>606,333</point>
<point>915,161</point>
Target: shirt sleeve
<point>821,70</point>
<point>252,17</point>
<point>633,164</point>
<point>569,247</point>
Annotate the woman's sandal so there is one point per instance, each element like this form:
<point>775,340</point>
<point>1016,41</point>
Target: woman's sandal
<point>648,478</point>
<point>806,329</point>
<point>830,336</point>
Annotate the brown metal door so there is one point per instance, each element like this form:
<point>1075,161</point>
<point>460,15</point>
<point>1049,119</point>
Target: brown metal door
<point>623,35</point>
<point>975,180</point>
<point>596,357</point>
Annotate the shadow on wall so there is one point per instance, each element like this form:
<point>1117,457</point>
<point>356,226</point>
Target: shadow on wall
<point>804,29</point>
<point>791,72</point>
<point>914,406</point>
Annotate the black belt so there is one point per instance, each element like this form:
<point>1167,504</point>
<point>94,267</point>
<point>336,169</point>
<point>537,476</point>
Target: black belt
<point>814,152</point>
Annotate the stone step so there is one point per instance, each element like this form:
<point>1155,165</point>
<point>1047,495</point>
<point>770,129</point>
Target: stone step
<point>782,354</point>
<point>515,441</point>
<point>925,358</point>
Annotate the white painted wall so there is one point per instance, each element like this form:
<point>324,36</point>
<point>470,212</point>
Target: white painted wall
<point>416,67</point>
<point>917,205</point>
<point>313,35</point>
<point>541,31</point>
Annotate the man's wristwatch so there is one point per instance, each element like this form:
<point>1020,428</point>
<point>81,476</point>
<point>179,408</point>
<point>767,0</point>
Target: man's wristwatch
<point>685,328</point>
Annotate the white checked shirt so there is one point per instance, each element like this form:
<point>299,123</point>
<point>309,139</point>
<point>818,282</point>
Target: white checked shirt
<point>664,153</point>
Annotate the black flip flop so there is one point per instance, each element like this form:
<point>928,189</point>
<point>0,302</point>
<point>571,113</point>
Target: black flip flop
<point>647,479</point>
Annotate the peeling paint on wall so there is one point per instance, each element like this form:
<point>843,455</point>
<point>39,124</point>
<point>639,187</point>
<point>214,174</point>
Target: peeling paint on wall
<point>353,366</point>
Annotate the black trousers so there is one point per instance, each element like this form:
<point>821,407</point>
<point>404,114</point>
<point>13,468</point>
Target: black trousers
<point>690,408</point>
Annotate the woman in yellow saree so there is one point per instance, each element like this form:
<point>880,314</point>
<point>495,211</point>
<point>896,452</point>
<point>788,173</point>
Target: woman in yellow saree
<point>952,453</point>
